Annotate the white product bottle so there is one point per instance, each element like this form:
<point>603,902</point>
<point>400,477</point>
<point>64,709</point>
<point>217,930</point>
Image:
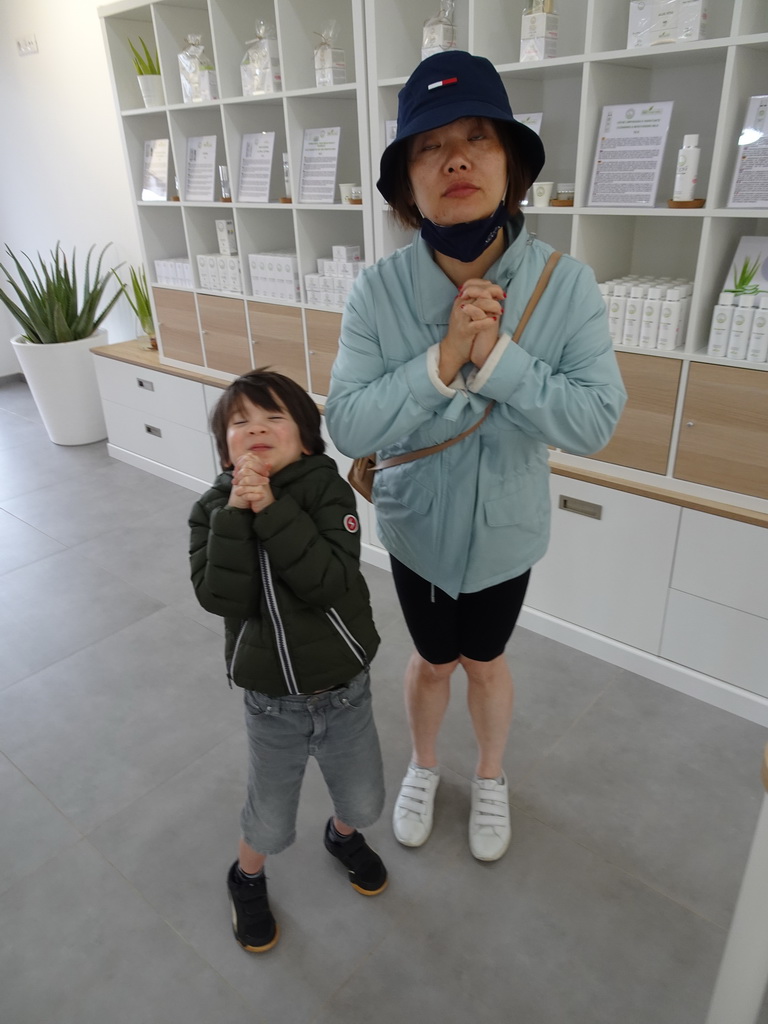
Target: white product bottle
<point>741,327</point>
<point>687,169</point>
<point>616,312</point>
<point>649,325</point>
<point>669,321</point>
<point>633,317</point>
<point>722,315</point>
<point>757,348</point>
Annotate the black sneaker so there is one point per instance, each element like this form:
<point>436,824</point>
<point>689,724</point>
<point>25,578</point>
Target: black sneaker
<point>367,874</point>
<point>252,921</point>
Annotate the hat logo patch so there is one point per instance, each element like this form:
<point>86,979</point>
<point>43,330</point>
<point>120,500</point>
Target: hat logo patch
<point>445,81</point>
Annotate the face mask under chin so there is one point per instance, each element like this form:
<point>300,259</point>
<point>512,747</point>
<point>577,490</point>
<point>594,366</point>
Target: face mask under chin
<point>465,242</point>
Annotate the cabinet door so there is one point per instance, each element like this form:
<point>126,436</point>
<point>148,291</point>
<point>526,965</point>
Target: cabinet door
<point>610,574</point>
<point>278,339</point>
<point>724,433</point>
<point>644,432</point>
<point>323,331</point>
<point>225,334</point>
<point>177,327</point>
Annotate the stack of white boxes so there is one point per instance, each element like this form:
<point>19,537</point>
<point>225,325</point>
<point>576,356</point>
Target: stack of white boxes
<point>655,22</point>
<point>275,275</point>
<point>221,271</point>
<point>334,279</point>
<point>175,272</point>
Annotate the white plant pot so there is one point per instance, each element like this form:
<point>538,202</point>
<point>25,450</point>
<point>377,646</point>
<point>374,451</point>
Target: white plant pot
<point>62,379</point>
<point>151,90</point>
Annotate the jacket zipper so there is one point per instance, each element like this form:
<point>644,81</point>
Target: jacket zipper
<point>277,624</point>
<point>231,666</point>
<point>357,649</point>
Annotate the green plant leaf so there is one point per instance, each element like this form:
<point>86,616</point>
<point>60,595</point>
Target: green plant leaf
<point>46,298</point>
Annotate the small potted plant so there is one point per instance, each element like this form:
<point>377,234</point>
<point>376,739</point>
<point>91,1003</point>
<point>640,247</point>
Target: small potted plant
<point>137,294</point>
<point>61,322</point>
<point>148,74</point>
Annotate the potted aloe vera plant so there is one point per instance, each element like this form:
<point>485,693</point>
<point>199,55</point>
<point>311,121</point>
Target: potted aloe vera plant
<point>60,317</point>
<point>148,74</point>
<point>137,294</point>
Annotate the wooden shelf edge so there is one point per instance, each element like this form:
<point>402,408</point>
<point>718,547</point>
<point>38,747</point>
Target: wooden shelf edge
<point>138,353</point>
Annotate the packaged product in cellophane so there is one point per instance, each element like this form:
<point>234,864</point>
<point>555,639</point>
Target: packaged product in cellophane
<point>439,31</point>
<point>260,67</point>
<point>330,66</point>
<point>198,77</point>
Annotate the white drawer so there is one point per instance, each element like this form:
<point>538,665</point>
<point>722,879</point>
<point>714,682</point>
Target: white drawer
<point>724,561</point>
<point>609,575</point>
<point>719,641</point>
<point>181,448</point>
<point>153,393</point>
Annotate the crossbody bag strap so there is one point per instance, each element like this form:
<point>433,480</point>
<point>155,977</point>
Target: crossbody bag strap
<point>398,460</point>
<point>537,293</point>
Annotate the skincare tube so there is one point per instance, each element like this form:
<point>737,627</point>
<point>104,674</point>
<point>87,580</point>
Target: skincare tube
<point>616,312</point>
<point>687,169</point>
<point>722,315</point>
<point>633,317</point>
<point>741,327</point>
<point>669,321</point>
<point>757,348</point>
<point>649,325</point>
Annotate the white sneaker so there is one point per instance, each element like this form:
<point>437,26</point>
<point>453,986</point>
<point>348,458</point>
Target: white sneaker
<point>489,830</point>
<point>414,807</point>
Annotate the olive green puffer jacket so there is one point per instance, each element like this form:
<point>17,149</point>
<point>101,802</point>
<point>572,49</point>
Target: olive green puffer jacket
<point>286,580</point>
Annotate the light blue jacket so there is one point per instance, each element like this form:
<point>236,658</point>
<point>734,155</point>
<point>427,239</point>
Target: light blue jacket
<point>477,513</point>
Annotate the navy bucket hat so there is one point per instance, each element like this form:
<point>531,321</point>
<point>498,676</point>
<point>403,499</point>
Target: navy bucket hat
<point>444,88</point>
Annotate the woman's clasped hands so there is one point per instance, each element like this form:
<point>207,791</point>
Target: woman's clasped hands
<point>250,483</point>
<point>473,327</point>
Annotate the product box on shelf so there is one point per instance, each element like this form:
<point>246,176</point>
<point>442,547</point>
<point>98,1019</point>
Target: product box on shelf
<point>174,272</point>
<point>275,275</point>
<point>538,36</point>
<point>656,22</point>
<point>225,233</point>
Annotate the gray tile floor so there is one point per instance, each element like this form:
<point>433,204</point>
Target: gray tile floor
<point>121,777</point>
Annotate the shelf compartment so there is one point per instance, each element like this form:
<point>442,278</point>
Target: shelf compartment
<point>724,427</point>
<point>277,339</point>
<point>250,118</point>
<point>172,25</point>
<point>225,333</point>
<point>139,130</point>
<point>178,329</point>
<point>298,28</point>
<point>496,32</point>
<point>233,24</point>
<point>323,330</point>
<point>644,433</point>
<point>117,32</point>
<point>162,231</point>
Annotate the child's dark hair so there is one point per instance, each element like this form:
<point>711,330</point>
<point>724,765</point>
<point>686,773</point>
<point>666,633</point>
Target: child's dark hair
<point>272,391</point>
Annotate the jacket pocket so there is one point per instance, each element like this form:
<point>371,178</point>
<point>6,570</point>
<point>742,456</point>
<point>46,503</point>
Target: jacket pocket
<point>525,506</point>
<point>402,488</point>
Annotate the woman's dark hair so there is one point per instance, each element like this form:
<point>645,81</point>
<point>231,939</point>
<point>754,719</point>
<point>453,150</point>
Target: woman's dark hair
<point>276,393</point>
<point>402,203</point>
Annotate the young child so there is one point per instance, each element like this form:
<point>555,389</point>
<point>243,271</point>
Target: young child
<point>275,549</point>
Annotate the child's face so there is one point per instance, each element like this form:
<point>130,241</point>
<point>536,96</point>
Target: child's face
<point>273,436</point>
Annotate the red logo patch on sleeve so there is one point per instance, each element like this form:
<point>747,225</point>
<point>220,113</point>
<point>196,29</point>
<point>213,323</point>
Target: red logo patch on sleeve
<point>351,525</point>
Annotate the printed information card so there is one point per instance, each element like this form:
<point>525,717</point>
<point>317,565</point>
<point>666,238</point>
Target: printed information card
<point>201,169</point>
<point>319,157</point>
<point>154,186</point>
<point>750,179</point>
<point>256,167</point>
<point>630,148</point>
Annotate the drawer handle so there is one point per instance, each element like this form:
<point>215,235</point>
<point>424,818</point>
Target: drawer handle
<point>582,508</point>
<point>146,384</point>
<point>154,431</point>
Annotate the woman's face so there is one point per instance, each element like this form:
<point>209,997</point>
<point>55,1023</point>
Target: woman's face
<point>458,172</point>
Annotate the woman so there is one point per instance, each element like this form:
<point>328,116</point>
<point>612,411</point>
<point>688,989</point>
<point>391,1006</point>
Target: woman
<point>425,347</point>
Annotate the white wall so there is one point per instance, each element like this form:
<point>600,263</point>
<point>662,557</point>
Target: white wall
<point>62,176</point>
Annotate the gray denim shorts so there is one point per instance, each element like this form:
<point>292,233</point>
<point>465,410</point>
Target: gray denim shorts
<point>335,727</point>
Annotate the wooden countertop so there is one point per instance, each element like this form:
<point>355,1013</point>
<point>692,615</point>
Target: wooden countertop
<point>139,353</point>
